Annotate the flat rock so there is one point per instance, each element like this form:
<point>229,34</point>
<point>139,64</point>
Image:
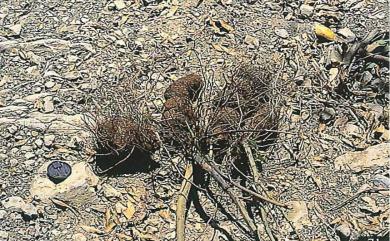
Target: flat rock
<point>281,33</point>
<point>374,156</point>
<point>14,204</point>
<point>78,188</point>
<point>306,10</point>
<point>298,215</point>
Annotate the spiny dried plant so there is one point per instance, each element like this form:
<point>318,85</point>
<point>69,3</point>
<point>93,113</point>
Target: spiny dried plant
<point>179,117</point>
<point>121,126</point>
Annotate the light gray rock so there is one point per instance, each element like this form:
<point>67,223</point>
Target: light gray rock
<point>78,188</point>
<point>109,191</point>
<point>29,211</point>
<point>3,214</point>
<point>35,97</point>
<point>348,34</point>
<point>13,162</point>
<point>12,129</point>
<point>16,29</point>
<point>4,235</point>
<point>13,109</point>
<point>344,230</point>
<point>50,84</point>
<point>48,105</point>
<point>373,156</point>
<point>306,10</point>
<point>38,142</point>
<point>48,140</point>
<point>281,33</point>
<point>14,204</point>
<point>29,155</point>
<point>3,157</point>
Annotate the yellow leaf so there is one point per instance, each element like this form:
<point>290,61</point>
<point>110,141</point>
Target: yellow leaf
<point>130,210</point>
<point>90,229</point>
<point>324,32</point>
<point>107,216</point>
<point>165,214</point>
<point>109,227</point>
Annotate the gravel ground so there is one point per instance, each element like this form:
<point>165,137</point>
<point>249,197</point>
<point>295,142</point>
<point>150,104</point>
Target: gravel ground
<point>54,55</point>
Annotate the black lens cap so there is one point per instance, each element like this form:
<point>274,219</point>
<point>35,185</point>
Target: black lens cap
<point>58,171</point>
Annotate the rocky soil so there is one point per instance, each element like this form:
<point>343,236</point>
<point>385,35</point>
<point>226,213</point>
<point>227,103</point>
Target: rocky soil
<point>329,163</point>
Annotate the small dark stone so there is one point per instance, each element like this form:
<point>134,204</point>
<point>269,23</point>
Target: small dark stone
<point>58,171</point>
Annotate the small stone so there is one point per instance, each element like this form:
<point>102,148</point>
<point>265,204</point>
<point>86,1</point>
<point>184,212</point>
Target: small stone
<point>37,89</point>
<point>343,230</point>
<point>3,157</point>
<point>16,29</point>
<point>29,155</point>
<point>358,161</point>
<point>48,105</point>
<point>119,207</point>
<point>49,84</point>
<point>348,34</point>
<point>3,213</point>
<point>281,33</point>
<point>14,204</point>
<point>252,41</point>
<point>120,4</point>
<point>79,237</point>
<point>29,163</point>
<point>13,162</point>
<point>56,232</point>
<point>120,43</point>
<point>29,212</point>
<point>48,140</point>
<point>72,58</point>
<point>12,129</point>
<point>38,142</point>
<point>306,10</point>
<point>381,181</point>
<point>110,191</point>
<point>4,235</point>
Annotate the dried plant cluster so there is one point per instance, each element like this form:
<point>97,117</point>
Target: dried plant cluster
<point>202,117</point>
<point>210,126</point>
<point>249,99</point>
<point>120,125</point>
<point>179,115</point>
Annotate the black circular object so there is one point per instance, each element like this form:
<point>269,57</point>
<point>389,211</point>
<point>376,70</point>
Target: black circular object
<point>58,171</point>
